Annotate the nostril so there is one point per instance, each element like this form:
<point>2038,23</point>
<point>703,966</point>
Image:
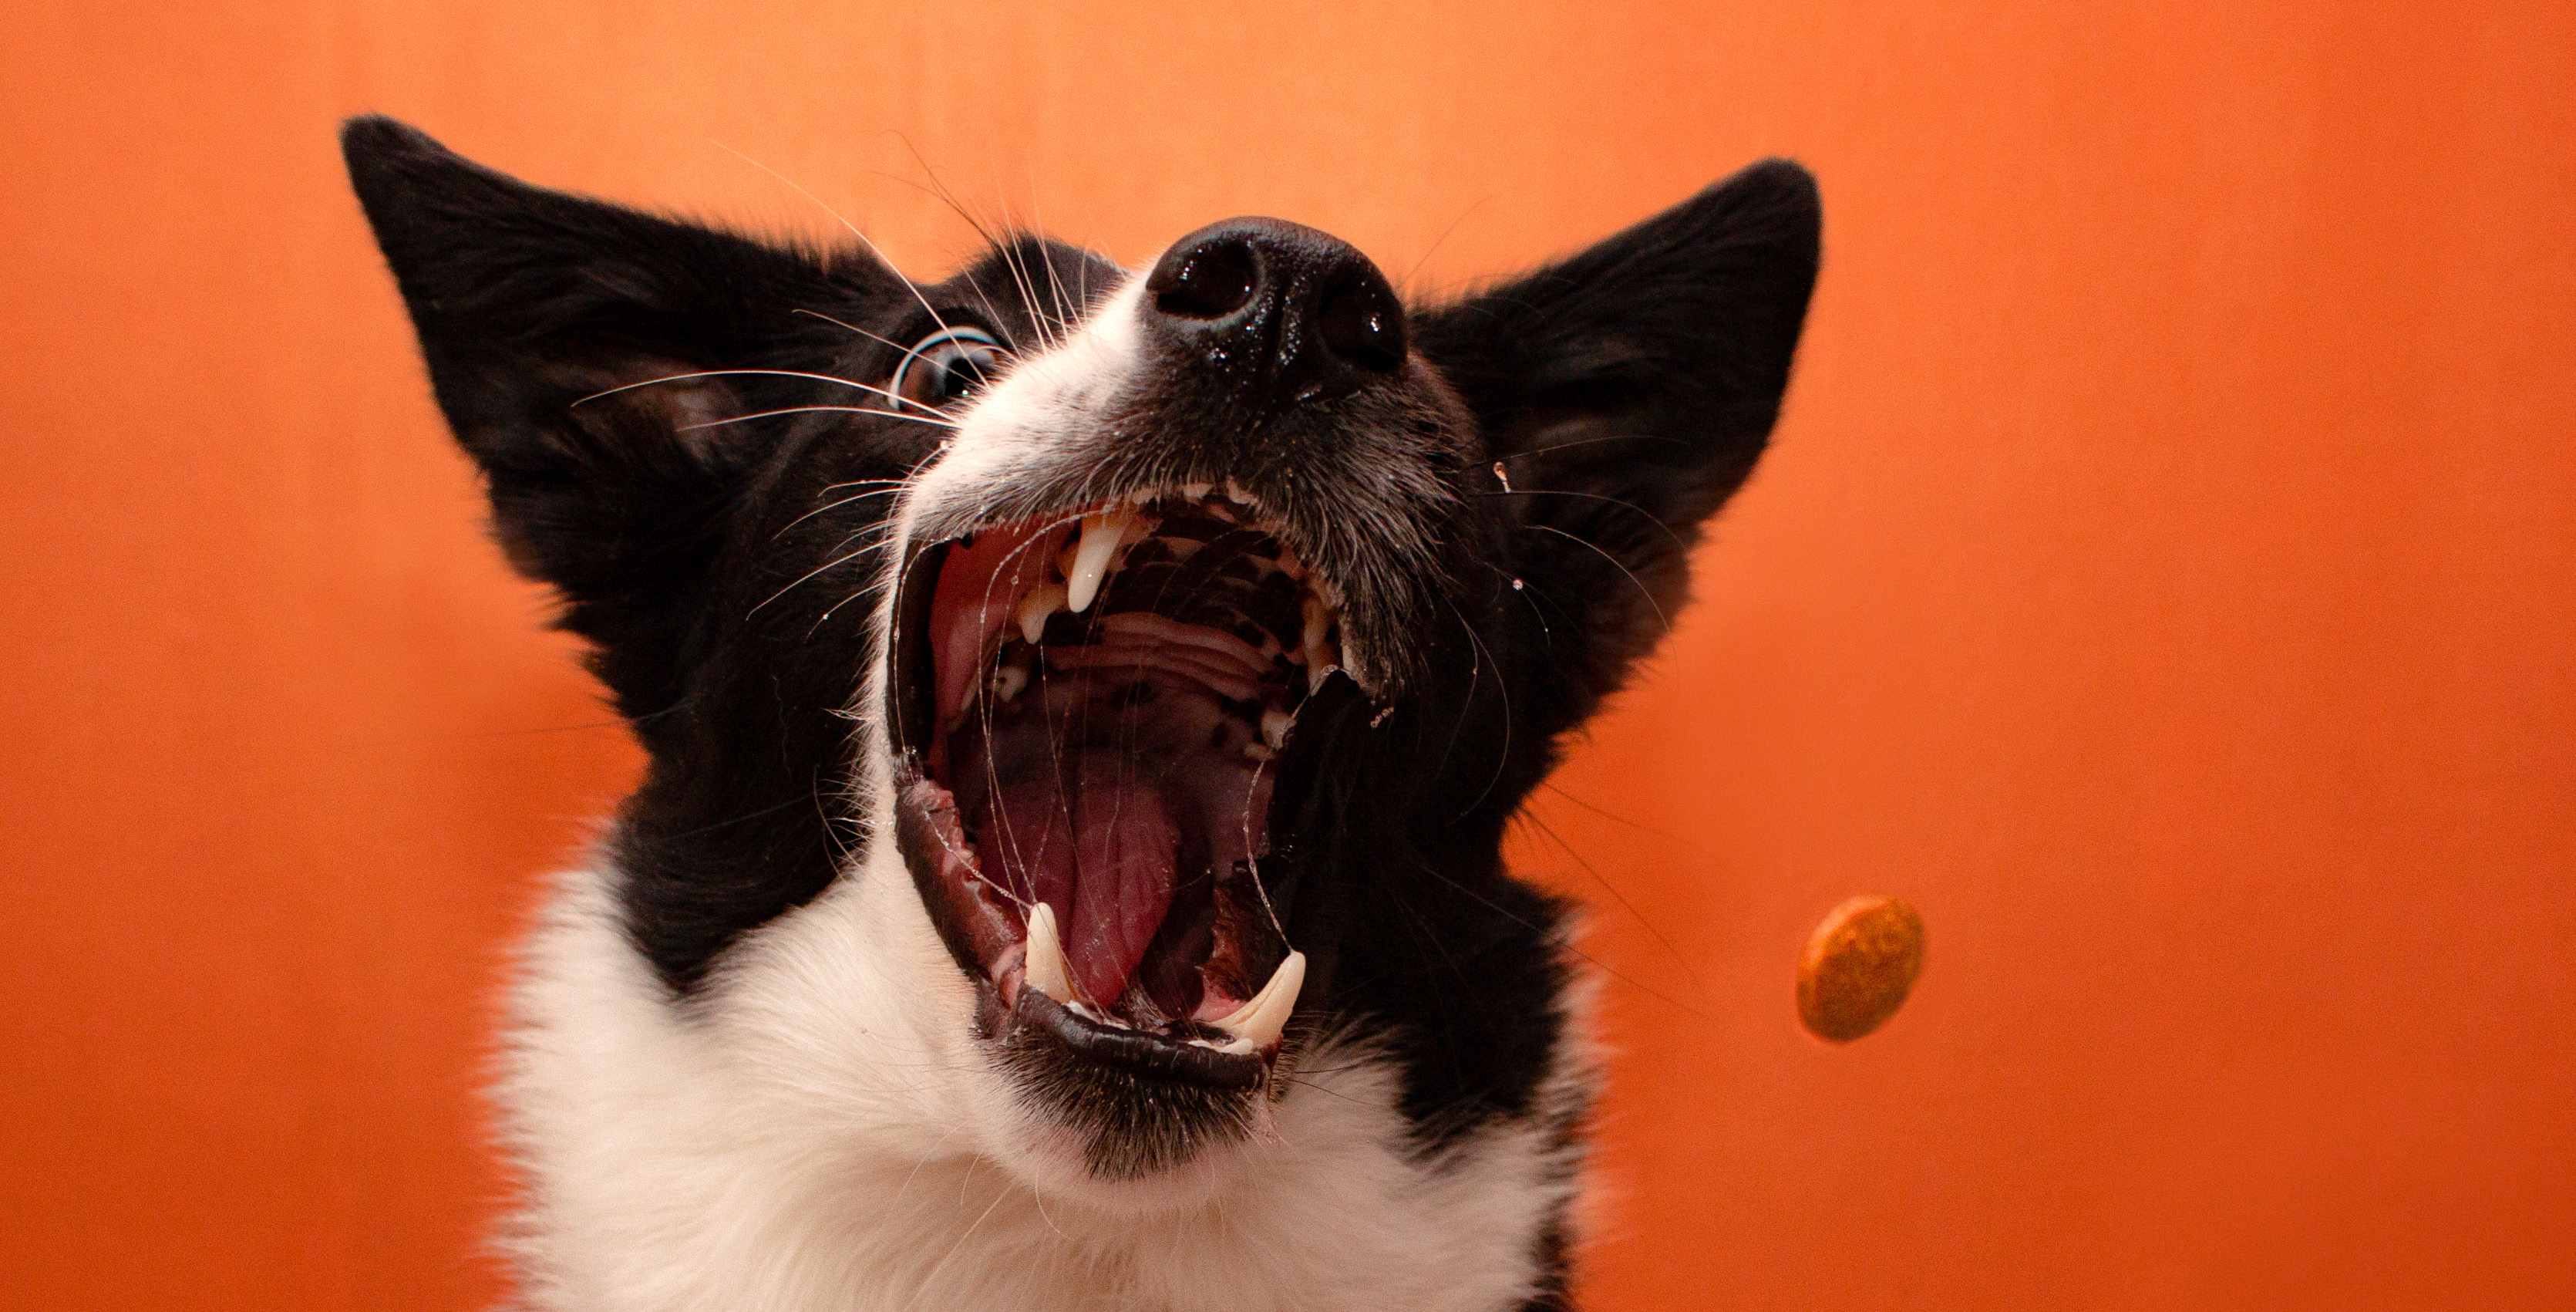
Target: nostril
<point>1209,282</point>
<point>1281,313</point>
<point>1361,321</point>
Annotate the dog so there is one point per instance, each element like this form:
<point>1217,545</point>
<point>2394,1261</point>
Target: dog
<point>1083,708</point>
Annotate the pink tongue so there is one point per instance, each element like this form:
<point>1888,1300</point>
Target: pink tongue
<point>1123,854</point>
<point>1110,879</point>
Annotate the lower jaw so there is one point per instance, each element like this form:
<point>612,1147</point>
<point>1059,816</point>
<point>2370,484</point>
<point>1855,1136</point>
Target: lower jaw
<point>1121,1122</point>
<point>1035,1017</point>
<point>985,935</point>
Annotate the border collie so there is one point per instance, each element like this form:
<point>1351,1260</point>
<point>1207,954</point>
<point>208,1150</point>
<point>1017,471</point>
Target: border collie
<point>1084,706</point>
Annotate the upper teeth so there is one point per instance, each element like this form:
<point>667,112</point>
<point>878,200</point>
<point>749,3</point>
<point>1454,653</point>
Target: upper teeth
<point>1043,601</point>
<point>1008,681</point>
<point>1100,537</point>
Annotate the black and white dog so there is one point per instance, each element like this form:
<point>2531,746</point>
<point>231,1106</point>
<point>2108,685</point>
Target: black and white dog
<point>1084,707</point>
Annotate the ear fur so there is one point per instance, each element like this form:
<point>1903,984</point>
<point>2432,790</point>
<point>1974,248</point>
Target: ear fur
<point>526,301</point>
<point>1625,393</point>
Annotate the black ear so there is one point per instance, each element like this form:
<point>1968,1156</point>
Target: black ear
<point>528,301</point>
<point>1625,394</point>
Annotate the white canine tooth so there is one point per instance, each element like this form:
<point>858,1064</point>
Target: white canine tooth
<point>1317,620</point>
<point>1195,491</point>
<point>1100,537</point>
<point>1319,656</point>
<point>1043,601</point>
<point>1008,681</point>
<point>1259,1022</point>
<point>1143,496</point>
<point>1046,971</point>
<point>1275,724</point>
<point>1234,492</point>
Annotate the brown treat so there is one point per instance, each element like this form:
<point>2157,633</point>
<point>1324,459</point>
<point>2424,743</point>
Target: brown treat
<point>1860,963</point>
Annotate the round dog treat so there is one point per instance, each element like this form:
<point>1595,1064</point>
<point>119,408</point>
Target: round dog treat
<point>1860,963</point>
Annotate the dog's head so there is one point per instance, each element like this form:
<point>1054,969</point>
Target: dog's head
<point>1100,686</point>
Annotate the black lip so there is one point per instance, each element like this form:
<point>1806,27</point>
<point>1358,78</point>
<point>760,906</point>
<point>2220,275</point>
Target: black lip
<point>909,689</point>
<point>1037,1016</point>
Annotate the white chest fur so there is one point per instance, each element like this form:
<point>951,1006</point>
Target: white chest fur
<point>819,1131</point>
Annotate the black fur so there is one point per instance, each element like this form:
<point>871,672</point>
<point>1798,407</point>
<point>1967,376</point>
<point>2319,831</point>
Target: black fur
<point>1576,427</point>
<point>665,544</point>
<point>1626,393</point>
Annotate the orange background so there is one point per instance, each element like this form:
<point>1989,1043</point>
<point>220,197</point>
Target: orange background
<point>2165,577</point>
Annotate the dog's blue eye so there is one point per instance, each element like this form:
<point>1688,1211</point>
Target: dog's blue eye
<point>947,365</point>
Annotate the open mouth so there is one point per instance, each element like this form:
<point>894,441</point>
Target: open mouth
<point>1097,717</point>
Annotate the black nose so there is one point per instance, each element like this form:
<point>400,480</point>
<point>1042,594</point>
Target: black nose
<point>1277,309</point>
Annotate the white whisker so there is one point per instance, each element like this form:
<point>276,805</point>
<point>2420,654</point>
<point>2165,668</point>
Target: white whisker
<point>883,491</point>
<point>825,567</point>
<point>839,323</point>
<point>818,409</point>
<point>1642,589</point>
<point>727,373</point>
<point>844,222</point>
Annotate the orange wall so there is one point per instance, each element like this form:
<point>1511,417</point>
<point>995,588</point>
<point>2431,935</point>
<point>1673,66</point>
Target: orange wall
<point>2165,577</point>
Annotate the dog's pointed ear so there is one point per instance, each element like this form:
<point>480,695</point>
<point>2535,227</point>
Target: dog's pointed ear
<point>1625,394</point>
<point>528,301</point>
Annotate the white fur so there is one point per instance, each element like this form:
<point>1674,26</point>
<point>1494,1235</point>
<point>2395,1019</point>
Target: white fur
<point>821,1133</point>
<point>1039,409</point>
<point>819,1129</point>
